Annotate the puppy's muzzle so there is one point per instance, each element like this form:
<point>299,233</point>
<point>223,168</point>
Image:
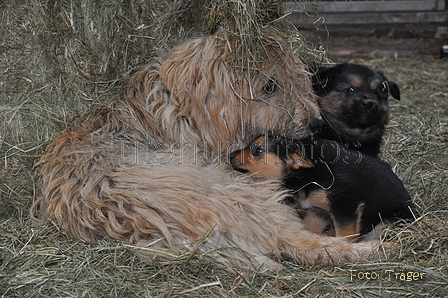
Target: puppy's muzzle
<point>367,103</point>
<point>236,162</point>
<point>232,156</point>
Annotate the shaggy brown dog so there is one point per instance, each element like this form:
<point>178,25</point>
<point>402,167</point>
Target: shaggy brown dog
<point>147,168</point>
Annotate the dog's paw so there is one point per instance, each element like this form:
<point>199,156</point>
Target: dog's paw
<point>344,252</point>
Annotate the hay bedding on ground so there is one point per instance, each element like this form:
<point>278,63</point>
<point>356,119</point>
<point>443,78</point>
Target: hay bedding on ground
<point>54,68</point>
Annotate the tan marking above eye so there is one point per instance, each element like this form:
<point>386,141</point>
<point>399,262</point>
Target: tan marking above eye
<point>375,84</point>
<point>355,80</point>
<point>259,141</point>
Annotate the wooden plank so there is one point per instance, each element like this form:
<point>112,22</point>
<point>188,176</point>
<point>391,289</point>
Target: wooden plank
<point>302,18</point>
<point>365,6</point>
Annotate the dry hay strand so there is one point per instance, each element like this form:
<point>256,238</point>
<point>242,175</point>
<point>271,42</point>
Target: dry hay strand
<point>245,22</point>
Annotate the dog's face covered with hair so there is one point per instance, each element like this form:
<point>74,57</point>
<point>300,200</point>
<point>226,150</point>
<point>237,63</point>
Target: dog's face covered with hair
<point>200,93</point>
<point>353,99</point>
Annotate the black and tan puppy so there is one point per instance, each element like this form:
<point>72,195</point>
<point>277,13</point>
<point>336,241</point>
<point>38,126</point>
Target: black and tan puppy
<point>353,100</point>
<point>271,160</point>
<point>358,190</point>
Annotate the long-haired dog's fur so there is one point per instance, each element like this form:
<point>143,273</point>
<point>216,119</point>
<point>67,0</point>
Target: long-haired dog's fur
<point>147,167</point>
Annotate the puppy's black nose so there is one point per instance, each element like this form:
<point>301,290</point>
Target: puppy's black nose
<point>367,103</point>
<point>315,125</point>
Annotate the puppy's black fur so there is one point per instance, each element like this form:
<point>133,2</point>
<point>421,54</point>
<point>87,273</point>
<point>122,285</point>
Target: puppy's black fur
<point>353,100</point>
<point>359,191</point>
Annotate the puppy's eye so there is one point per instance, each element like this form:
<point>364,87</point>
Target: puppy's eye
<point>270,86</point>
<point>350,90</point>
<point>257,151</point>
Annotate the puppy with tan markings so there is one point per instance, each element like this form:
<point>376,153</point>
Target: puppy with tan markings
<point>353,100</point>
<point>358,190</point>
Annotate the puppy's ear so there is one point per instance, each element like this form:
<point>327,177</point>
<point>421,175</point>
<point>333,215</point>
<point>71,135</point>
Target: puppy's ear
<point>393,88</point>
<point>323,76</point>
<point>296,161</point>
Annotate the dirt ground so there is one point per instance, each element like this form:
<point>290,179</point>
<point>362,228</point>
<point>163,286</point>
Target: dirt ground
<point>398,41</point>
